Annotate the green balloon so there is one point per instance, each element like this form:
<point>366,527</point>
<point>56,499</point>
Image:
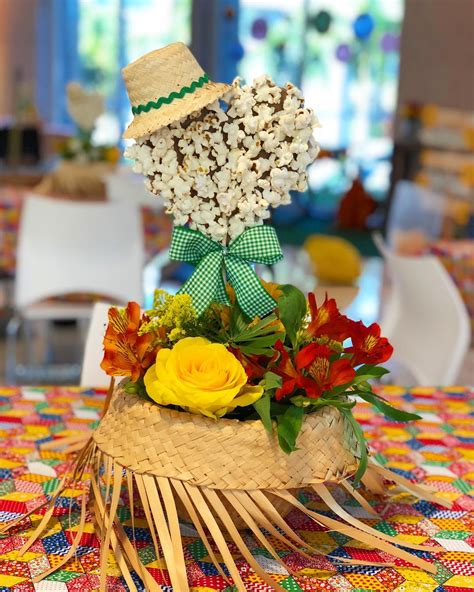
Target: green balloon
<point>321,21</point>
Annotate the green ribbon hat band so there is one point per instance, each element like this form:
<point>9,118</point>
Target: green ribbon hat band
<point>214,262</point>
<point>185,90</point>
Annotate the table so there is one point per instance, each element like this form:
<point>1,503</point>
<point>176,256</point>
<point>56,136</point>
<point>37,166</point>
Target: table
<point>439,450</point>
<point>157,227</point>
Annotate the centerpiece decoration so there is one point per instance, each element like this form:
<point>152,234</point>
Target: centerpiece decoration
<point>236,395</point>
<point>83,163</point>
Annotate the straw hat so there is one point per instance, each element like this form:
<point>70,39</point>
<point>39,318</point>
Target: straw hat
<point>164,86</point>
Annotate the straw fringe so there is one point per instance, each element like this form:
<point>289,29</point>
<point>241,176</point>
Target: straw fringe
<point>217,515</point>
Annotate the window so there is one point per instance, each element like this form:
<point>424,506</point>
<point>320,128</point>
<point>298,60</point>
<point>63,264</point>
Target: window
<point>93,39</point>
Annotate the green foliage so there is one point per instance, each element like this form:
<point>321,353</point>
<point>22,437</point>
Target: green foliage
<point>359,434</point>
<point>288,428</point>
<point>255,337</point>
<point>292,309</point>
<point>262,407</point>
<point>272,381</point>
<point>266,407</point>
<point>136,388</point>
<point>385,408</point>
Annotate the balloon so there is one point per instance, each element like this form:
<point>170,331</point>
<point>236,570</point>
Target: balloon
<point>343,52</point>
<point>259,28</point>
<point>236,51</point>
<point>363,26</point>
<point>390,42</point>
<point>321,21</point>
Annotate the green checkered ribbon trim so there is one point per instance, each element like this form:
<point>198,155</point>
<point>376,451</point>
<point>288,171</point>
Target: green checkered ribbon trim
<point>216,263</point>
<point>185,90</point>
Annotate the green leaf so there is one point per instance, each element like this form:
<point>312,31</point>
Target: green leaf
<point>262,407</point>
<point>302,401</point>
<point>292,309</point>
<point>385,408</point>
<point>288,427</point>
<point>272,381</point>
<point>359,434</point>
<point>361,379</point>
<point>277,409</point>
<point>131,388</point>
<point>259,346</point>
<point>372,371</point>
<point>238,321</point>
<point>254,338</point>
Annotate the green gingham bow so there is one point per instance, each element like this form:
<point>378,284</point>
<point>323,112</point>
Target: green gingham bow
<point>214,262</point>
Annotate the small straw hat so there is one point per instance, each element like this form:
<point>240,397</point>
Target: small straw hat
<point>164,86</point>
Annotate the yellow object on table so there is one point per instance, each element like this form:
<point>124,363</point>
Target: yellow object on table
<point>335,260</point>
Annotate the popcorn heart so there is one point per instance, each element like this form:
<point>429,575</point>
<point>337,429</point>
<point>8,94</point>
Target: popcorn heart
<point>220,169</point>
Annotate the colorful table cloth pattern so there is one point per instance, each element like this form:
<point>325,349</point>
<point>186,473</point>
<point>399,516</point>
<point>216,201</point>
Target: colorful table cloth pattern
<point>438,450</point>
<point>458,258</point>
<point>156,225</point>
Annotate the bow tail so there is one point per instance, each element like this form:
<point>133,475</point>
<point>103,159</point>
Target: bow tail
<point>252,297</point>
<point>206,285</point>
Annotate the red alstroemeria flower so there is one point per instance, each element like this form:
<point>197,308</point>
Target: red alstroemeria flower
<point>126,353</point>
<point>327,321</point>
<point>316,360</point>
<point>368,346</point>
<point>291,377</point>
<point>255,366</point>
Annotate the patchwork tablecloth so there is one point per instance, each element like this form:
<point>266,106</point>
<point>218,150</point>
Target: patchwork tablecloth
<point>458,258</point>
<point>438,450</point>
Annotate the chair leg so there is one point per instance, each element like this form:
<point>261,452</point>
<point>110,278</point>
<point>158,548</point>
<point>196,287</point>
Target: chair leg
<point>12,330</point>
<point>28,340</point>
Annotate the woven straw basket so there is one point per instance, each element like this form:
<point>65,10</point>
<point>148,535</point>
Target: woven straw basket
<point>226,454</point>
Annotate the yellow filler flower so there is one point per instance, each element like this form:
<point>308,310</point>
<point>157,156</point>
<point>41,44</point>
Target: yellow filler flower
<point>200,376</point>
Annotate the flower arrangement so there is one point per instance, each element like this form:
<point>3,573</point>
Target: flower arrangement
<point>84,109</point>
<point>230,345</point>
<point>299,358</point>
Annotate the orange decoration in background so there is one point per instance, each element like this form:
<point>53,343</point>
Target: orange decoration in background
<point>355,207</point>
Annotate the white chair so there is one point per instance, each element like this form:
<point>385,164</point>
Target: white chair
<point>92,374</point>
<point>414,210</point>
<point>67,247</point>
<point>125,185</point>
<point>425,318</point>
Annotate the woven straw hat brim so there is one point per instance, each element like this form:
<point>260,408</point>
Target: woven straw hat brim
<point>148,123</point>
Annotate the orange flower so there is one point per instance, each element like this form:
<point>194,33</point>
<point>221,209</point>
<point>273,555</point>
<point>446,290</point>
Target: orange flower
<point>292,378</point>
<point>313,371</point>
<point>327,374</point>
<point>255,366</point>
<point>368,346</point>
<point>327,321</point>
<point>126,353</point>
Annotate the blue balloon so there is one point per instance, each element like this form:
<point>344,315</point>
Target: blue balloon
<point>236,51</point>
<point>363,26</point>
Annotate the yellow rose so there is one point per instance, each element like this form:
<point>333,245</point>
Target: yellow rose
<point>202,377</point>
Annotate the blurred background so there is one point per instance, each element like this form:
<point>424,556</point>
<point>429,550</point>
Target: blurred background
<point>391,83</point>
